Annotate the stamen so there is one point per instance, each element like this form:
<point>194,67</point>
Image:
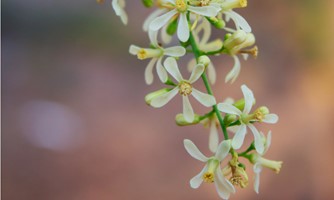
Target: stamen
<point>142,54</point>
<point>181,5</point>
<point>185,88</point>
<point>208,177</point>
<point>253,51</point>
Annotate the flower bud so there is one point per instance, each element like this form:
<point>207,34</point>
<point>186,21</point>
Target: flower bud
<point>148,3</point>
<point>204,60</point>
<point>240,104</point>
<point>172,27</point>
<point>230,118</point>
<point>149,97</point>
<point>181,121</point>
<point>218,23</point>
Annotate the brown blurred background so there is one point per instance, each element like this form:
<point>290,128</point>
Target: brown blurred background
<point>75,125</point>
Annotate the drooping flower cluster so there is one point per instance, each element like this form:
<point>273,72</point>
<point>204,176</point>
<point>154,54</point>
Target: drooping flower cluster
<point>191,22</point>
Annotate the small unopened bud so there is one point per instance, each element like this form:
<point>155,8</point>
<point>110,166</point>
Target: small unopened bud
<point>230,118</point>
<point>149,97</point>
<point>204,60</point>
<point>240,104</point>
<point>148,3</point>
<point>181,121</point>
<point>218,23</point>
<point>271,164</point>
<point>172,27</point>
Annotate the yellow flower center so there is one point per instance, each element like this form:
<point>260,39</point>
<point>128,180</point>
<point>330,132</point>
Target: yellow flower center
<point>208,177</point>
<point>142,54</point>
<point>181,5</point>
<point>243,3</point>
<point>185,88</point>
<point>204,2</point>
<point>259,115</point>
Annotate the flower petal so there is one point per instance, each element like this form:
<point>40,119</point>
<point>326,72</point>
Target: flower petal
<point>229,108</point>
<point>224,181</point>
<point>159,22</point>
<point>183,28</point>
<point>223,187</point>
<point>192,149</point>
<point>197,180</point>
<point>239,137</point>
<point>270,119</point>
<point>149,71</point>
<point>191,65</point>
<point>212,73</point>
<point>257,170</point>
<point>153,35</point>
<point>249,98</point>
<point>234,73</point>
<point>268,141</point>
<point>213,136</point>
<point>208,11</point>
<point>151,17</point>
<point>164,99</point>
<point>239,21</point>
<point>188,111</point>
<point>134,49</point>
<point>161,71</point>
<point>176,51</point>
<point>118,8</point>
<point>205,99</point>
<point>165,37</point>
<point>259,146</point>
<point>172,68</point>
<point>196,73</point>
<point>223,149</point>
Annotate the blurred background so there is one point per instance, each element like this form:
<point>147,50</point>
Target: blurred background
<point>75,125</point>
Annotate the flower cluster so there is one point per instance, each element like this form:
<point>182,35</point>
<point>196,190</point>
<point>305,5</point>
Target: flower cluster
<point>190,23</point>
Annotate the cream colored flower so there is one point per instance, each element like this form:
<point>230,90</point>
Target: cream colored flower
<point>156,54</point>
<point>246,120</point>
<point>260,162</point>
<point>180,9</point>
<point>233,45</point>
<point>211,171</point>
<point>185,88</point>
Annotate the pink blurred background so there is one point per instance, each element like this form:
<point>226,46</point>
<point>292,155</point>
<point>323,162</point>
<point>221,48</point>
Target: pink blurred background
<point>75,125</point>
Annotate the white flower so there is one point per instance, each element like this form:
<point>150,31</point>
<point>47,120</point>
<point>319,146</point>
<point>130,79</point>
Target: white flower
<point>184,88</point>
<point>180,8</point>
<point>260,162</point>
<point>245,119</point>
<point>118,6</point>
<point>204,45</point>
<point>239,21</point>
<point>233,45</point>
<point>157,53</point>
<point>211,171</point>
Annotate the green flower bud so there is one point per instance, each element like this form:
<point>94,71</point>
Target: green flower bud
<point>230,118</point>
<point>240,104</point>
<point>148,3</point>
<point>205,60</point>
<point>179,118</point>
<point>172,27</point>
<point>149,97</point>
<point>218,23</point>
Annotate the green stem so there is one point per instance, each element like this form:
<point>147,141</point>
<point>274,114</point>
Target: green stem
<point>197,54</point>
